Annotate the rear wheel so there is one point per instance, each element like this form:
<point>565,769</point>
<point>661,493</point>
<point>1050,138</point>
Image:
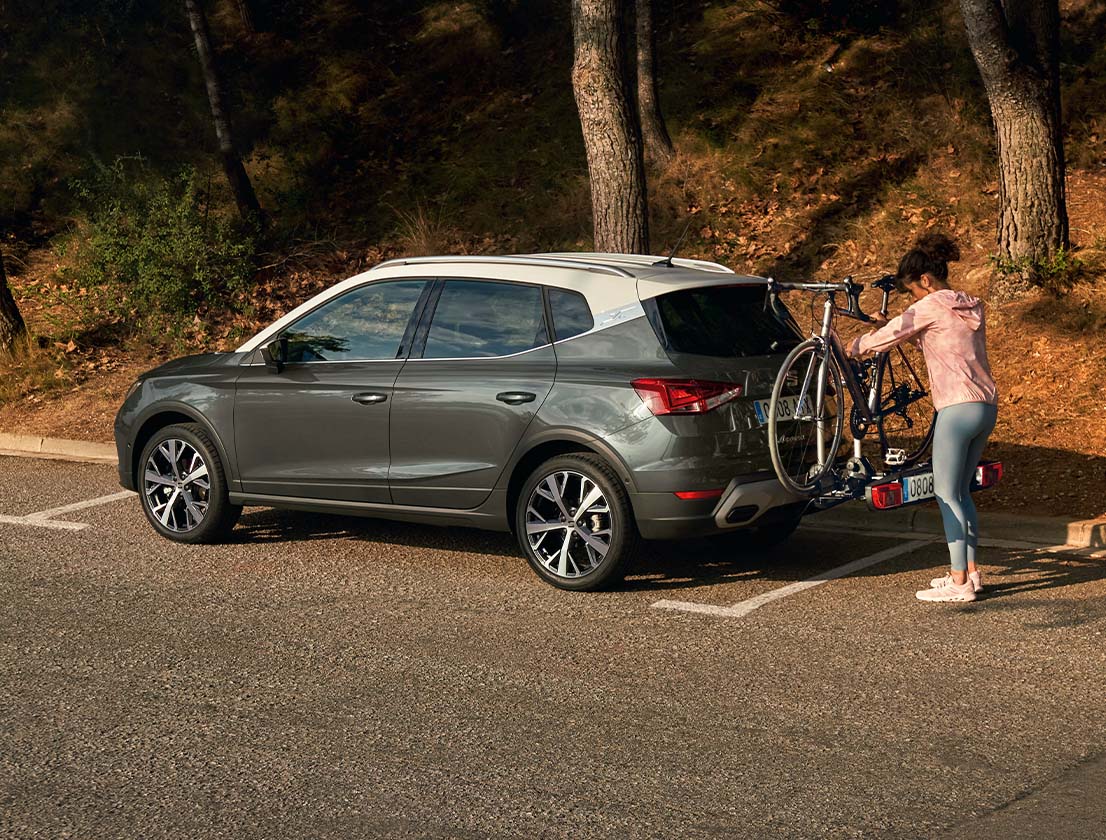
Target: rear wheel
<point>805,420</point>
<point>907,414</point>
<point>574,523</point>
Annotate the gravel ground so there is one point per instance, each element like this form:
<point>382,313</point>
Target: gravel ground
<point>331,677</point>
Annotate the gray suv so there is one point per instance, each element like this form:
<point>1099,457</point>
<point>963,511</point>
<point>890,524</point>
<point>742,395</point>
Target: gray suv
<point>581,401</point>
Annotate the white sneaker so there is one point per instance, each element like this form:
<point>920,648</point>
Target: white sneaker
<point>975,577</point>
<point>952,592</point>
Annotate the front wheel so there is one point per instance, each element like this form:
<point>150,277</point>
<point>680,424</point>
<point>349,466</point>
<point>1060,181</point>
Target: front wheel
<point>806,417</point>
<point>183,487</point>
<point>906,413</point>
<point>574,523</point>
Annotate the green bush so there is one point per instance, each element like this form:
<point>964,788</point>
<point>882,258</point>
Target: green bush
<point>163,243</point>
<point>1055,274</point>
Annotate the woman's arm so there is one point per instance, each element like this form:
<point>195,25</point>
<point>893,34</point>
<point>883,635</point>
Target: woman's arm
<point>903,328</point>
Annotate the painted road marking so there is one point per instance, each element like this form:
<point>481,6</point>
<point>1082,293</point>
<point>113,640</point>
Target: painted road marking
<point>42,523</point>
<point>743,608</point>
<point>99,500</point>
<point>45,518</point>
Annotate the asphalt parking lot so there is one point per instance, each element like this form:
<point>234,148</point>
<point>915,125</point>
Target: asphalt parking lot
<point>331,677</point>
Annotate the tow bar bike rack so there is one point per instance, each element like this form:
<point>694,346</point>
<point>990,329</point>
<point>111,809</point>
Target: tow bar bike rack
<point>894,488</point>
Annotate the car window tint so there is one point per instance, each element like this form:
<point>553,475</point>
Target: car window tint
<point>366,324</point>
<point>723,321</point>
<point>477,319</point>
<point>571,314</point>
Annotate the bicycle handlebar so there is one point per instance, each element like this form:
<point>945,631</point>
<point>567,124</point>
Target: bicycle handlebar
<point>847,287</point>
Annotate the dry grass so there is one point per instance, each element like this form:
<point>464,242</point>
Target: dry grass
<point>422,231</point>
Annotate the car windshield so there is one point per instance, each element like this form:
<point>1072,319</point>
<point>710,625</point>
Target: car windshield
<point>724,321</point>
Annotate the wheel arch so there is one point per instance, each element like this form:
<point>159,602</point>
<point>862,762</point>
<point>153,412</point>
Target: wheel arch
<point>548,447</point>
<point>169,415</point>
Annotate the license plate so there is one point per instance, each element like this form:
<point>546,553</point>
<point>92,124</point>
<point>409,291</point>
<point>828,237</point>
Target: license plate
<point>915,488</point>
<point>786,409</point>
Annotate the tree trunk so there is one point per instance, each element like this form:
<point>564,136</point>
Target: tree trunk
<point>244,195</point>
<point>612,136</point>
<point>12,327</point>
<point>1016,47</point>
<point>658,145</point>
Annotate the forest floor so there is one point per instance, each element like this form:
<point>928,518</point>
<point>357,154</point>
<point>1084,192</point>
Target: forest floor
<point>801,155</point>
<point>1048,356</point>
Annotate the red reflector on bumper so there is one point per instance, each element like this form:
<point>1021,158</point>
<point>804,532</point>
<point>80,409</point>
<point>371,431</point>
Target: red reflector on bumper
<point>691,495</point>
<point>887,495</point>
<point>988,475</point>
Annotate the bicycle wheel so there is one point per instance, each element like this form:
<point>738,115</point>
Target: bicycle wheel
<point>906,414</point>
<point>805,420</point>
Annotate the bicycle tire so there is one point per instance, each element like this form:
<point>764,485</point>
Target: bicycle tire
<point>888,436</point>
<point>808,480</point>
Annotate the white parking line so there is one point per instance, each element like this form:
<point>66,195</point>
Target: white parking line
<point>745,607</point>
<point>42,523</point>
<point>99,500</point>
<point>45,518</point>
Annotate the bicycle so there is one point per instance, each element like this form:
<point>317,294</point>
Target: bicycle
<point>806,414</point>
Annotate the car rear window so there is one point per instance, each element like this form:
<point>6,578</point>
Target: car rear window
<point>725,321</point>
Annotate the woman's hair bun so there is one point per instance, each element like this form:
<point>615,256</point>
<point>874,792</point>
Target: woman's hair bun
<point>938,246</point>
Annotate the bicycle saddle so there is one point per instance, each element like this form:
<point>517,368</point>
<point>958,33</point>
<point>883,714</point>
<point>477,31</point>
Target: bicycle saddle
<point>886,283</point>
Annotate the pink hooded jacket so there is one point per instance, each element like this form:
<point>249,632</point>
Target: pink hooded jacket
<point>949,327</point>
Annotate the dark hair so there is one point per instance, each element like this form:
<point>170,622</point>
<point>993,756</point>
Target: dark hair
<point>930,255</point>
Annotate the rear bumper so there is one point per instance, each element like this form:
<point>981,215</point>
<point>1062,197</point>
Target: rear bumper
<point>663,516</point>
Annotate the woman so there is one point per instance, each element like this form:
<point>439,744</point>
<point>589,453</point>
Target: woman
<point>949,327</point>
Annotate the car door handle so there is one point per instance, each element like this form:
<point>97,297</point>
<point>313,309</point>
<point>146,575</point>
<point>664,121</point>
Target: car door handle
<point>516,397</point>
<point>369,398</point>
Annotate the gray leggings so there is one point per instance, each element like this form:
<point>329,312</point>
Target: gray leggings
<point>958,440</point>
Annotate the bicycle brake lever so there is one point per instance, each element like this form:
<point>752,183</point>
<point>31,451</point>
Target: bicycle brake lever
<point>853,290</point>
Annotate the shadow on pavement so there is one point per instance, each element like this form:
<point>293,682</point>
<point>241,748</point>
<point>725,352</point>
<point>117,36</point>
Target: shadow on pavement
<point>689,564</point>
<point>1019,570</point>
<point>658,565</point>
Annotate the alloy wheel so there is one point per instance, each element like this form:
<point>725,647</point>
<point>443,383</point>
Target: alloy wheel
<point>177,485</point>
<point>568,524</point>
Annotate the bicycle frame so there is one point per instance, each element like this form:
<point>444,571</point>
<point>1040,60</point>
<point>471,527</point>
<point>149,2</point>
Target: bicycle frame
<point>868,410</point>
<point>866,404</point>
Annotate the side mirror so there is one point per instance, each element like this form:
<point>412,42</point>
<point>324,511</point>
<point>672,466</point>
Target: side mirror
<point>275,354</point>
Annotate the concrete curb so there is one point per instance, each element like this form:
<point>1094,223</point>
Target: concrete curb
<point>919,519</point>
<point>48,447</point>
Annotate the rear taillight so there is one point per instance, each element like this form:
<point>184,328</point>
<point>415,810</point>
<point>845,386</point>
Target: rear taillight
<point>684,396</point>
<point>887,495</point>
<point>988,475</point>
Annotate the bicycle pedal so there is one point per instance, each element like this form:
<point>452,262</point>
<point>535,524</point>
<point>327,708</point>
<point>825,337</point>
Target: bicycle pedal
<point>894,457</point>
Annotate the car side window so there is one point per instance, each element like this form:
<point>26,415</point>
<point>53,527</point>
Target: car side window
<point>482,318</point>
<point>366,324</point>
<point>571,313</point>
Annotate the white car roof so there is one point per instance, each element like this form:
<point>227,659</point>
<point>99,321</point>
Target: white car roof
<point>611,283</point>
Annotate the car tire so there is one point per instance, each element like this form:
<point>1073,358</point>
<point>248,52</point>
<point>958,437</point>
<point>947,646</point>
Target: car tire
<point>191,446</point>
<point>585,569</point>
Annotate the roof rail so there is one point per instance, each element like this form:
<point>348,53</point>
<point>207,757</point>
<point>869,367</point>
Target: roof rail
<point>646,260</point>
<point>527,259</point>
